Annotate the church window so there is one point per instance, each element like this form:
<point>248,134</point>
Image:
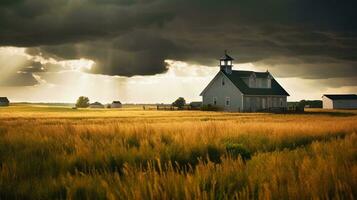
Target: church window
<point>228,101</point>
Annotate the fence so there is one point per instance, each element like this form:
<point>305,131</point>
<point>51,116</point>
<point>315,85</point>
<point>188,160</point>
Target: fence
<point>170,107</point>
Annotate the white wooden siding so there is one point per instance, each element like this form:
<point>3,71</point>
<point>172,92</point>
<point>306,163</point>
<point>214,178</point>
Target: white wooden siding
<point>221,89</point>
<point>327,103</point>
<point>222,92</point>
<point>256,103</point>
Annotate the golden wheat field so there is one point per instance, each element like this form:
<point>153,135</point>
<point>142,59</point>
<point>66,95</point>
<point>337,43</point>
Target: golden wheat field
<point>60,153</point>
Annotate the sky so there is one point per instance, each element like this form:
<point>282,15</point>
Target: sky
<point>153,51</point>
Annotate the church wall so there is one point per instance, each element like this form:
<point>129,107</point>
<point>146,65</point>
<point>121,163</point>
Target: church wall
<point>255,103</point>
<point>221,93</point>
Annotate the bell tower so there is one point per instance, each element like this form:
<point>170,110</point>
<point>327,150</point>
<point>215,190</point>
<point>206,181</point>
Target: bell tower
<point>226,63</point>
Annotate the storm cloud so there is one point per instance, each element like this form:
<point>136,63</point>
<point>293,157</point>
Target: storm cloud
<point>296,38</point>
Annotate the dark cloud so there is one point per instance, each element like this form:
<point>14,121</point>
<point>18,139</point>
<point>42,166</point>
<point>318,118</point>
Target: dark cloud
<point>302,38</point>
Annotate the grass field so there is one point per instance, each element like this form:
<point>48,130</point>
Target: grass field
<point>60,153</point>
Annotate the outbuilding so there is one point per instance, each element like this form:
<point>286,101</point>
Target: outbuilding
<point>116,104</point>
<point>339,101</point>
<point>4,101</point>
<point>196,104</point>
<point>96,105</point>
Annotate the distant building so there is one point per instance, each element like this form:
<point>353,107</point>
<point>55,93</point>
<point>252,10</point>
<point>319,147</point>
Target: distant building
<point>96,105</point>
<point>246,91</point>
<point>196,104</point>
<point>116,104</point>
<point>4,101</point>
<point>339,101</point>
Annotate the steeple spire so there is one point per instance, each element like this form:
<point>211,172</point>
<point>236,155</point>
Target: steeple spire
<point>226,63</point>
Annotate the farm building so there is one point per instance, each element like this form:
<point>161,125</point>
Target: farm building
<point>246,91</point>
<point>96,105</point>
<point>116,104</point>
<point>4,101</point>
<point>195,104</point>
<point>339,101</point>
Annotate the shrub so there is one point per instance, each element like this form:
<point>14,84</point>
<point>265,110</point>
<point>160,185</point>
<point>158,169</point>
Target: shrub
<point>214,153</point>
<point>209,107</point>
<point>235,150</point>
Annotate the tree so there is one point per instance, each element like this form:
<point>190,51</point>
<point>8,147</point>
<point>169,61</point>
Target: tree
<point>180,102</point>
<point>82,102</point>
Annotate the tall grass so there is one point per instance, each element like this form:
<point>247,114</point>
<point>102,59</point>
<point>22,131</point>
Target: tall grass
<point>177,155</point>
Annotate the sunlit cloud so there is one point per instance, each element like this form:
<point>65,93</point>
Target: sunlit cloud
<point>77,65</point>
<point>65,80</point>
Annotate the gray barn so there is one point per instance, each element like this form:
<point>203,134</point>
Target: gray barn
<point>339,101</point>
<point>245,91</point>
<point>116,104</point>
<point>4,101</point>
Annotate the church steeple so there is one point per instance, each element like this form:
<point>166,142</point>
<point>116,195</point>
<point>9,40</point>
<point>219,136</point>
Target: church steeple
<point>226,63</point>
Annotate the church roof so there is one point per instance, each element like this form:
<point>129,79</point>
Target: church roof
<point>341,96</point>
<point>236,77</point>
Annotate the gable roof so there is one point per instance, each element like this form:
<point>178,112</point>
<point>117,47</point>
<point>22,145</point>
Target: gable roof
<point>341,96</point>
<point>196,103</point>
<point>4,99</point>
<point>96,104</point>
<point>236,77</point>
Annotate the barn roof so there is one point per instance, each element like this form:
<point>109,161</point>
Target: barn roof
<point>96,104</point>
<point>341,96</point>
<point>196,103</point>
<point>4,99</point>
<point>116,102</point>
<point>236,77</point>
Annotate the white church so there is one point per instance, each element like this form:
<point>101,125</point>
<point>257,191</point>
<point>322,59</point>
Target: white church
<point>243,91</point>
